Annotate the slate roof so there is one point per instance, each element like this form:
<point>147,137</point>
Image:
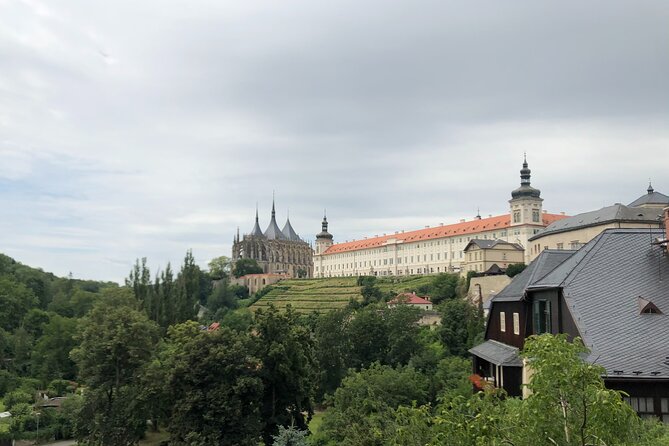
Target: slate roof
<point>289,232</point>
<point>601,285</point>
<point>547,261</point>
<point>497,353</point>
<point>610,214</point>
<point>488,244</point>
<point>651,197</point>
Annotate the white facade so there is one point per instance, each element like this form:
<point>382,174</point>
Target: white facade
<point>432,250</point>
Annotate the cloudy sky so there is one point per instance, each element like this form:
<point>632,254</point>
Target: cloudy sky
<point>132,129</point>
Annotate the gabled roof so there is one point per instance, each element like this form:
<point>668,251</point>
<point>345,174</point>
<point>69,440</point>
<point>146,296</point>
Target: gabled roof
<point>610,214</point>
<point>601,285</point>
<point>289,232</point>
<point>409,299</point>
<point>470,227</point>
<point>489,244</point>
<point>547,261</point>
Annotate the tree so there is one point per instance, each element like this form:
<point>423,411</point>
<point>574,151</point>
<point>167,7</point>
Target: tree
<point>444,287</point>
<point>220,267</point>
<point>568,398</point>
<point>460,327</point>
<point>290,437</point>
<point>286,351</point>
<point>51,357</point>
<point>362,409</point>
<point>243,267</point>
<point>515,269</point>
<point>215,387</point>
<point>15,301</point>
<point>115,342</point>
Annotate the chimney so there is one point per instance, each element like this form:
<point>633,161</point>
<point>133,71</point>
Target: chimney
<point>462,220</point>
<point>561,212</point>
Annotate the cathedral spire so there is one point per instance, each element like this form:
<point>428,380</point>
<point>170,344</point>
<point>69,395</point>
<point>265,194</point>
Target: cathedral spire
<point>273,232</point>
<point>525,190</point>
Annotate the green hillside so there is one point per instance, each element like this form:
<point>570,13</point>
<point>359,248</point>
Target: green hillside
<point>307,295</point>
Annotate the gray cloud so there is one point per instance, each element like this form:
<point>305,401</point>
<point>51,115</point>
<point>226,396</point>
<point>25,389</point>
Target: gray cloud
<point>143,129</point>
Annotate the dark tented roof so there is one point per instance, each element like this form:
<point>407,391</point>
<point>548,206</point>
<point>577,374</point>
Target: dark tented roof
<point>256,232</point>
<point>273,232</point>
<point>537,269</point>
<point>602,284</point>
<point>609,214</point>
<point>651,198</point>
<point>497,353</point>
<point>289,232</point>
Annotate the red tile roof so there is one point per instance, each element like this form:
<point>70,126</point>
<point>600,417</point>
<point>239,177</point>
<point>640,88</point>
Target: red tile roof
<point>410,299</point>
<point>463,228</point>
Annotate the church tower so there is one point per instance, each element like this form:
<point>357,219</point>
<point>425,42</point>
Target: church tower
<point>526,201</point>
<point>323,238</point>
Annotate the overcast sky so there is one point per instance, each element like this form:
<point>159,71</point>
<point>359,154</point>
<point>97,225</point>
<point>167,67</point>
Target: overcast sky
<point>144,128</point>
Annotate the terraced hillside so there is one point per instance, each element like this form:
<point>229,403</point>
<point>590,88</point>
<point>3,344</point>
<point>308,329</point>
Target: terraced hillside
<point>307,295</point>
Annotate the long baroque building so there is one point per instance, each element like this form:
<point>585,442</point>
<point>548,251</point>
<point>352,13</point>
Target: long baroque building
<point>276,250</point>
<point>434,249</point>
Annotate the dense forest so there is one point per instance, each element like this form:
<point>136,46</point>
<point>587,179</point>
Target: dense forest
<point>178,352</point>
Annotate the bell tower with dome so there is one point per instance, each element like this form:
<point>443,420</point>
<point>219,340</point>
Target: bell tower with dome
<point>526,201</point>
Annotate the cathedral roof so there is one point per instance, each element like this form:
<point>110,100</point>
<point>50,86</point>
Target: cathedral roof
<point>256,232</point>
<point>289,232</point>
<point>464,228</point>
<point>273,232</point>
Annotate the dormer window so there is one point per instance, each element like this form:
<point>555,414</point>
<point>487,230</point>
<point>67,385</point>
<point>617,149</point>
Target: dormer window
<point>647,307</point>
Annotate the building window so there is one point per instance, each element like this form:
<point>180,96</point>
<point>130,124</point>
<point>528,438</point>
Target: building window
<point>502,321</point>
<point>516,216</point>
<point>535,216</point>
<point>560,246</point>
<point>642,405</point>
<point>516,323</point>
<point>575,244</point>
<point>542,316</point>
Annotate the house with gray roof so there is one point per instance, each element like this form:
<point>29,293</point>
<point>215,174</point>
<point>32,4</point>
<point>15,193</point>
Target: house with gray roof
<point>613,293</point>
<point>576,231</point>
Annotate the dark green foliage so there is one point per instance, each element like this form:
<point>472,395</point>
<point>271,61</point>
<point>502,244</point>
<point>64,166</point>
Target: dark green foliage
<point>289,370</point>
<point>222,297</point>
<point>239,291</point>
<point>214,383</point>
<point>515,269</point>
<point>115,342</point>
<point>443,287</point>
<point>243,267</point>
<point>167,300</point>
<point>16,299</point>
<point>361,410</point>
<point>461,326</point>
<point>51,358</point>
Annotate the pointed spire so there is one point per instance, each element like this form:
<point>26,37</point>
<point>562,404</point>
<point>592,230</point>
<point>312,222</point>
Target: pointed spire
<point>273,232</point>
<point>256,232</point>
<point>650,187</point>
<point>478,213</point>
<point>525,190</point>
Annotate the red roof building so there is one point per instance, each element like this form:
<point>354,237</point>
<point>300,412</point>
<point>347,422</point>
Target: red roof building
<point>436,249</point>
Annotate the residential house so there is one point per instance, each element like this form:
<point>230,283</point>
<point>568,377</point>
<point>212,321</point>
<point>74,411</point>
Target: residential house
<point>612,293</point>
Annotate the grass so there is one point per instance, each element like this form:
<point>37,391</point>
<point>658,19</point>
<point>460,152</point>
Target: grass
<point>154,438</point>
<point>322,295</point>
<point>316,421</point>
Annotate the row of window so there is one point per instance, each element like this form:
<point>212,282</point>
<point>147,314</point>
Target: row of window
<point>516,322</point>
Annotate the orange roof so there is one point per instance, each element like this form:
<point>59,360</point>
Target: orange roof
<point>463,228</point>
<point>410,299</point>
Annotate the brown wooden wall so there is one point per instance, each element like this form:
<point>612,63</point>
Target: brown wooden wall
<point>493,328</point>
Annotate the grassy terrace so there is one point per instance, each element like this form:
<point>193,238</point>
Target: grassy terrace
<point>307,295</point>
